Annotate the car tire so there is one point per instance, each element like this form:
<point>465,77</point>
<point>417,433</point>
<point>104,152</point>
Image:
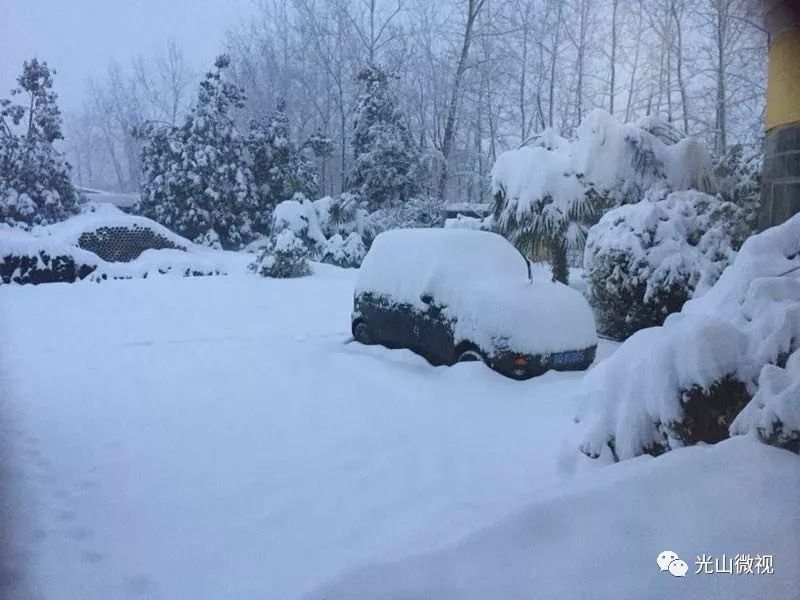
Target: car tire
<point>362,333</point>
<point>471,355</point>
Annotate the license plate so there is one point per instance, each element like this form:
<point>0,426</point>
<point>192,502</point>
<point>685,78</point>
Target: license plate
<point>566,358</point>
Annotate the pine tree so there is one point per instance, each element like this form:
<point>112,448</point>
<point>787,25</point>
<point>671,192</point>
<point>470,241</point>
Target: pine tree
<point>197,178</point>
<point>280,169</point>
<point>385,160</point>
<point>35,186</point>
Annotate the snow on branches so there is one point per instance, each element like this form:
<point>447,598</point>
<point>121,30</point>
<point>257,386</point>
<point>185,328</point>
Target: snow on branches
<point>35,186</point>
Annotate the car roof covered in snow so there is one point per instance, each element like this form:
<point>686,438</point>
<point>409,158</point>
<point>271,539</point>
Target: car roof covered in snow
<point>404,263</point>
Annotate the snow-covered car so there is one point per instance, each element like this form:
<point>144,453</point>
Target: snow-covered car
<point>454,295</point>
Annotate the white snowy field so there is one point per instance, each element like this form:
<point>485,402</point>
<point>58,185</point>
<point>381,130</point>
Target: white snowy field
<point>215,437</point>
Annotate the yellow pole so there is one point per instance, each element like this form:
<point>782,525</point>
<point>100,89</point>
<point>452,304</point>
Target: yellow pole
<point>780,197</point>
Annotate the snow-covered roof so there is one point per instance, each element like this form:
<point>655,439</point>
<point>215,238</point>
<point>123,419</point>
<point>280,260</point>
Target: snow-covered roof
<point>469,208</point>
<point>104,215</point>
<point>118,199</point>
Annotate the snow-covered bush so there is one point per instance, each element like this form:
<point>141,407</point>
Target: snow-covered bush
<point>210,239</point>
<point>343,214</point>
<point>549,194</point>
<point>643,261</point>
<point>774,412</point>
<point>284,256</point>
<point>35,186</point>
<point>344,252</point>
<point>738,177</point>
<point>338,230</point>
<point>686,381</point>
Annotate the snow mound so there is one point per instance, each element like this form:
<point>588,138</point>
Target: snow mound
<point>481,282</point>
<point>560,547</point>
<point>750,318</point>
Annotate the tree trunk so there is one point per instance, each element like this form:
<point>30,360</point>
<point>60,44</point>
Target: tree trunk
<point>553,56</point>
<point>473,7</point>
<point>613,77</point>
<point>679,66</point>
<point>558,260</point>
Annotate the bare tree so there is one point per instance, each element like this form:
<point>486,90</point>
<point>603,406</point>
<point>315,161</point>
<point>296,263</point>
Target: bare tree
<point>473,8</point>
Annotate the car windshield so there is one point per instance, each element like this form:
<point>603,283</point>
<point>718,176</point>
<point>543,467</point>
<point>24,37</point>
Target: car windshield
<point>383,299</point>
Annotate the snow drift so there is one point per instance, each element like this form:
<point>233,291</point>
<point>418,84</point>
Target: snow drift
<point>600,537</point>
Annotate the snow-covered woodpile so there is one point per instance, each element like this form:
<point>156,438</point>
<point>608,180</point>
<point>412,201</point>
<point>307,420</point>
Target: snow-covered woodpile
<point>124,244</point>
<point>100,244</point>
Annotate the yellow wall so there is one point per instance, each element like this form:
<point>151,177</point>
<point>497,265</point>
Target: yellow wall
<point>783,87</point>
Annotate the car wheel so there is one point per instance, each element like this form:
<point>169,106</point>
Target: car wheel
<point>362,333</point>
<point>471,356</point>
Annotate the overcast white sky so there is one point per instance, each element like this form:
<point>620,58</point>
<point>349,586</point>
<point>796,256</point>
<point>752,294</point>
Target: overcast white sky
<point>80,37</point>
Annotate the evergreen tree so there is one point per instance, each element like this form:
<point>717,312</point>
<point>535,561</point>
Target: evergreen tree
<point>197,179</point>
<point>385,159</point>
<point>280,169</point>
<point>35,186</point>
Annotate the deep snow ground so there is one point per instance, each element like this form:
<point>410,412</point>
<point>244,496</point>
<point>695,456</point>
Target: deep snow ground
<point>215,438</point>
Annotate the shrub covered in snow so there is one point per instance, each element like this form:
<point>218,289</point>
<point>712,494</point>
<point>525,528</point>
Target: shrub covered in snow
<point>339,230</point>
<point>35,187</point>
<point>343,214</point>
<point>343,252</point>
<point>738,177</point>
<point>774,412</point>
<point>643,261</point>
<point>549,194</point>
<point>285,256</point>
<point>686,381</point>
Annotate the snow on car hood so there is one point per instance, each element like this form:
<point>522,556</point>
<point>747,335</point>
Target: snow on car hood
<point>531,318</point>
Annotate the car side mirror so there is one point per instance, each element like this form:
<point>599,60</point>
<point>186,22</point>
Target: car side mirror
<point>426,298</point>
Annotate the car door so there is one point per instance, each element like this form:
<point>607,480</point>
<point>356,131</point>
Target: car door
<point>435,333</point>
<point>398,325</point>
